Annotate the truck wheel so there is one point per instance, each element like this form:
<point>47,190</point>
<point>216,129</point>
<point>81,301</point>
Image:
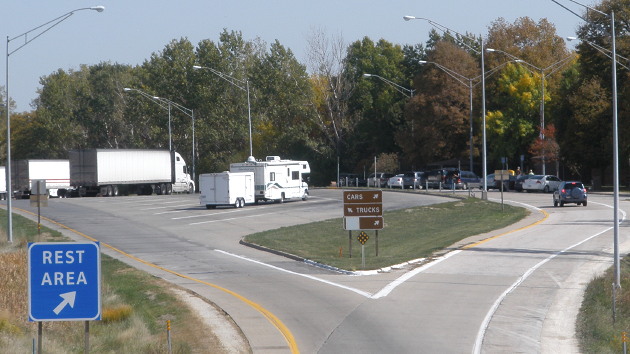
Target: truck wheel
<point>305,196</point>
<point>242,203</point>
<point>169,189</point>
<point>115,191</point>
<point>191,189</point>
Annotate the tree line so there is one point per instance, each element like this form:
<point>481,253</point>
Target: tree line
<point>411,112</point>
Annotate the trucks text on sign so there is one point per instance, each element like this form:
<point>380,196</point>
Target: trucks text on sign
<point>363,210</point>
<point>64,281</point>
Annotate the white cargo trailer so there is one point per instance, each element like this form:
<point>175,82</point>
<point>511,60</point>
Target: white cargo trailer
<point>276,179</point>
<point>3,183</point>
<point>226,188</point>
<point>55,172</point>
<point>110,172</point>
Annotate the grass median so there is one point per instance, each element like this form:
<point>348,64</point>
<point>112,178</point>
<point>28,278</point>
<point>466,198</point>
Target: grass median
<point>135,307</point>
<point>408,234</point>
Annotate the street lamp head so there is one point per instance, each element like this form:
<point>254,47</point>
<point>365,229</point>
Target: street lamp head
<point>197,67</point>
<point>422,61</point>
<point>367,75</point>
<point>407,18</point>
<point>98,8</point>
<point>571,38</point>
<point>490,50</point>
<point>127,89</point>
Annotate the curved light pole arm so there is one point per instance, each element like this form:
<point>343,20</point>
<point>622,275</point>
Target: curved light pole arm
<point>164,104</point>
<point>236,82</point>
<point>50,24</point>
<point>403,90</point>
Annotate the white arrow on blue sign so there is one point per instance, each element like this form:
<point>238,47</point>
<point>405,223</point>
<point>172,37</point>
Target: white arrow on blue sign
<point>64,281</point>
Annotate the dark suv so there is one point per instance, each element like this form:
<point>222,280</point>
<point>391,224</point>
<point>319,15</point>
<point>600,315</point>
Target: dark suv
<point>570,192</point>
<point>413,180</point>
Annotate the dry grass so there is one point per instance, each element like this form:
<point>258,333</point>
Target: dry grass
<point>131,323</point>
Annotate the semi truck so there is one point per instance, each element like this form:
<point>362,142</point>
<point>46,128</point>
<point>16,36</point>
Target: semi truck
<point>56,173</point>
<point>276,179</point>
<point>226,188</point>
<point>112,172</point>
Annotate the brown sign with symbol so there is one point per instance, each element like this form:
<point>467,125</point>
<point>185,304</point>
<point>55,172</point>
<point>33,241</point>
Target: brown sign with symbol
<point>375,209</point>
<point>362,197</point>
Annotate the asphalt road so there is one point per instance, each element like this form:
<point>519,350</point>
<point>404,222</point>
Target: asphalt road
<point>518,291</point>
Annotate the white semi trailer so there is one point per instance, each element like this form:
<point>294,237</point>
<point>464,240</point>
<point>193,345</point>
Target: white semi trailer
<point>276,179</point>
<point>56,173</point>
<point>226,188</point>
<point>112,172</point>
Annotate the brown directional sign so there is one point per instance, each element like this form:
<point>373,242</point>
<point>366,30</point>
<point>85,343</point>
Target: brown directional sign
<point>363,223</point>
<point>373,209</point>
<point>362,197</point>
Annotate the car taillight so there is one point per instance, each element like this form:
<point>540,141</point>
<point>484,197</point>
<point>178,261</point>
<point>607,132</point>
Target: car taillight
<point>564,190</point>
<point>584,190</point>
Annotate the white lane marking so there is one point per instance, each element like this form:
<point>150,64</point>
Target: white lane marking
<point>230,219</point>
<point>403,278</point>
<point>360,292</point>
<point>168,206</point>
<point>486,322</point>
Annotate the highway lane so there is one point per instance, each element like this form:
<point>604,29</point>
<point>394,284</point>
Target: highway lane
<point>439,309</point>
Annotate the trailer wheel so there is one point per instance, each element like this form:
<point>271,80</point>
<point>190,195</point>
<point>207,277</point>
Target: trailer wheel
<point>115,191</point>
<point>305,195</point>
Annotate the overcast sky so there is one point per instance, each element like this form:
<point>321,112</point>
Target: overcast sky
<point>128,32</point>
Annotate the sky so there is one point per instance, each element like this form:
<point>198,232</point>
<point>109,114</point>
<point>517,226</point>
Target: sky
<point>128,32</point>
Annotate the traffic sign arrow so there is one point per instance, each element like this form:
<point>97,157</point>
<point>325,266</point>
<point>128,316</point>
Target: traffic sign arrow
<point>68,299</point>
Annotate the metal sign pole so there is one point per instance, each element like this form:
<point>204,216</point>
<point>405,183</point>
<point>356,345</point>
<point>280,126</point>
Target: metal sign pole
<point>87,337</point>
<point>363,256</point>
<point>350,243</point>
<point>376,243</point>
<point>39,337</point>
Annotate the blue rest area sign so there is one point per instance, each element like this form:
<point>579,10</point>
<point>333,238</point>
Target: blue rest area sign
<point>64,281</point>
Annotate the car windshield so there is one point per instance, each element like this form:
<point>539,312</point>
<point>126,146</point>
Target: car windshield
<point>536,177</point>
<point>572,185</point>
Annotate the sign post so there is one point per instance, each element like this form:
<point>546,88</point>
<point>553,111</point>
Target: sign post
<point>39,198</point>
<point>362,210</point>
<point>64,282</point>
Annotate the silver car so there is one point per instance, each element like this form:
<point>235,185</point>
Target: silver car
<point>541,183</point>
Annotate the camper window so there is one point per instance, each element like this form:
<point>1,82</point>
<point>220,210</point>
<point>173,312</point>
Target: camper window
<point>295,175</point>
<point>272,176</point>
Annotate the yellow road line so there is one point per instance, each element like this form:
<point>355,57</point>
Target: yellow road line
<point>284,330</point>
<point>546,215</point>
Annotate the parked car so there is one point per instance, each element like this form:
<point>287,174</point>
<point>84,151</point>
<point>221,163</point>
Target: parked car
<point>490,182</point>
<point>348,180</point>
<point>541,183</point>
<point>518,184</point>
<point>413,180</point>
<point>380,180</point>
<point>570,192</point>
<point>441,178</point>
<point>396,181</point>
<point>469,179</point>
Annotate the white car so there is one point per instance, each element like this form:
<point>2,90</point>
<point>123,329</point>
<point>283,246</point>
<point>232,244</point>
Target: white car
<point>541,183</point>
<point>396,181</point>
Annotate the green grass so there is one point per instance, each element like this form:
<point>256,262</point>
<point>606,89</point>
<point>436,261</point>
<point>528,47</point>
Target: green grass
<point>138,306</point>
<point>408,234</point>
<point>595,327</point>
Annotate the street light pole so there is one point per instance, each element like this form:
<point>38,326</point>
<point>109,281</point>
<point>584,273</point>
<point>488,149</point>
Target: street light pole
<point>238,83</point>
<point>43,28</point>
<point>616,261</point>
<point>484,194</point>
<point>190,113</point>
<point>554,67</point>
